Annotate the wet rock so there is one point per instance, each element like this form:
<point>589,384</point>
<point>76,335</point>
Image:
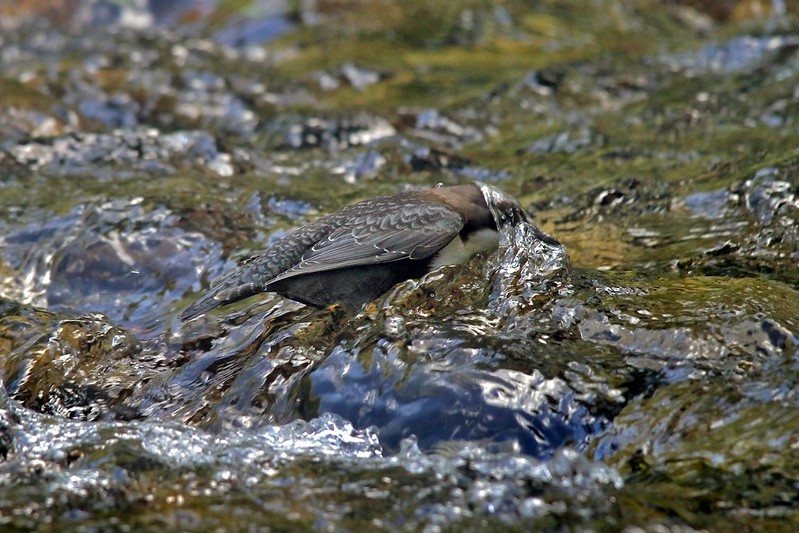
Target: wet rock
<point>53,365</point>
<point>82,16</point>
<point>423,159</point>
<point>432,126</point>
<point>293,209</point>
<point>338,134</point>
<point>327,82</point>
<point>435,159</point>
<point>543,82</point>
<point>752,229</point>
<point>112,111</point>
<point>757,427</point>
<point>625,198</point>
<point>257,30</point>
<point>205,102</point>
<point>564,142</point>
<point>142,149</point>
<point>359,78</point>
<point>707,204</point>
<point>723,249</point>
<point>767,197</point>
<point>19,124</point>
<point>356,77</point>
<point>363,165</point>
<point>737,54</point>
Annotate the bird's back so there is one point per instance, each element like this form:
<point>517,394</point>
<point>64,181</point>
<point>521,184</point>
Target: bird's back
<point>257,274</point>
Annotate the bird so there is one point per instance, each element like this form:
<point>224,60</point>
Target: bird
<point>353,255</point>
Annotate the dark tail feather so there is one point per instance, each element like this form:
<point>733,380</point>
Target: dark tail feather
<point>229,290</point>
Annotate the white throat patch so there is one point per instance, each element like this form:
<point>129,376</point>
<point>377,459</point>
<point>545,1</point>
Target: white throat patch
<point>459,251</point>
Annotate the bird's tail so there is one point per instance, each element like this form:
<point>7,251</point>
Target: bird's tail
<point>231,288</point>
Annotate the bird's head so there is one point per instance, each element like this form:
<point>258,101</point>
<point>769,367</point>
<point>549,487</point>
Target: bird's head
<point>504,207</point>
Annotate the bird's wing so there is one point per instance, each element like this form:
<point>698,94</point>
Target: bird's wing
<point>409,231</point>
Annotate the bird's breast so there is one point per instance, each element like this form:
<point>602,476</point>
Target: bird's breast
<point>460,250</point>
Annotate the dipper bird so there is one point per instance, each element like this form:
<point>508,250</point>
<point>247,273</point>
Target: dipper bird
<point>354,255</point>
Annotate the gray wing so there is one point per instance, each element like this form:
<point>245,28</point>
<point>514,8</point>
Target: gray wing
<point>355,235</point>
<point>411,231</point>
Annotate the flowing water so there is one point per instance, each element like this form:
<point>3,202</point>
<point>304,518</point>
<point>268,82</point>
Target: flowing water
<point>640,370</point>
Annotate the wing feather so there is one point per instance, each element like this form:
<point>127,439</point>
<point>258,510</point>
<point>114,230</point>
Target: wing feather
<point>413,231</point>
